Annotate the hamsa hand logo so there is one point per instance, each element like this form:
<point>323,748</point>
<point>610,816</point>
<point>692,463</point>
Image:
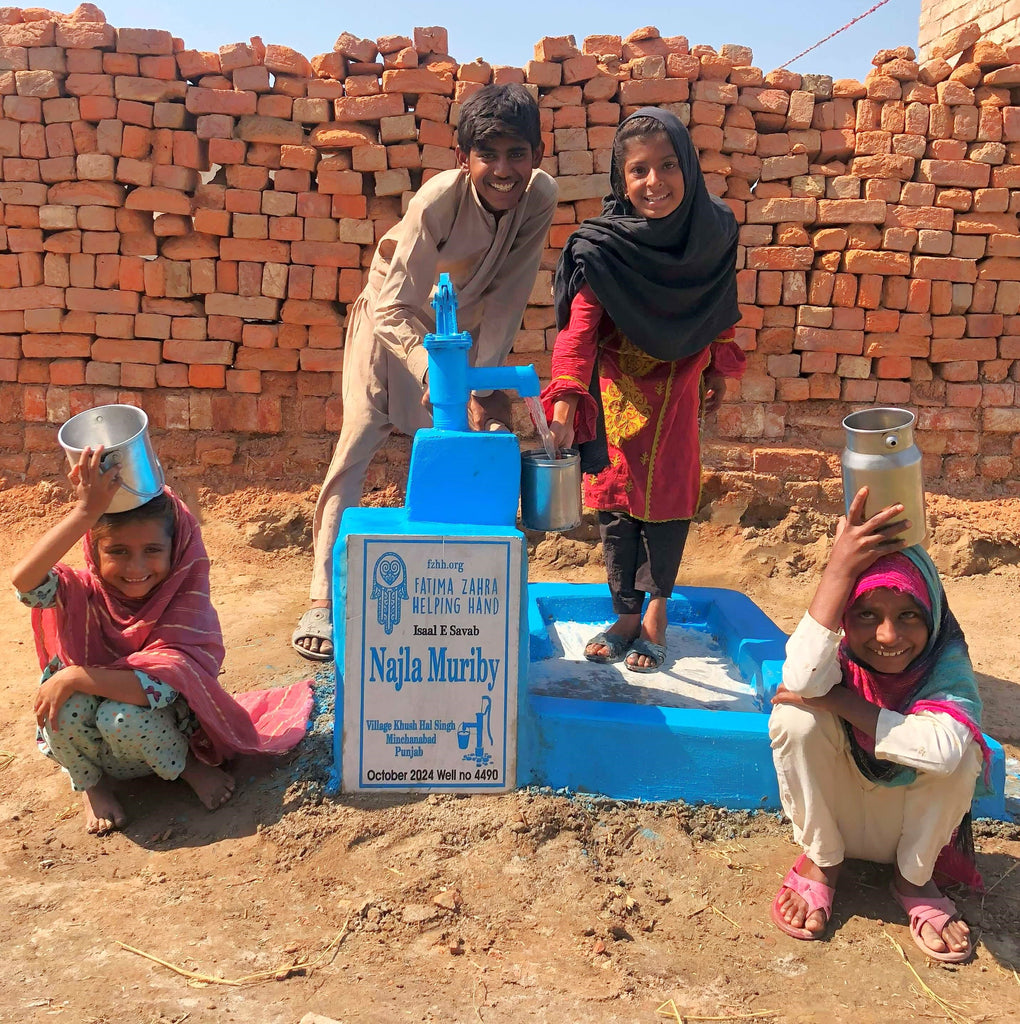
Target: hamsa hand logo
<point>389,589</point>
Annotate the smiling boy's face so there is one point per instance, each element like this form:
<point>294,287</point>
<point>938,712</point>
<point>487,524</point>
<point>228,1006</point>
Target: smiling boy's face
<point>500,169</point>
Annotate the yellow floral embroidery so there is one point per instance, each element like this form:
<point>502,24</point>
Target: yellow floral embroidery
<point>626,410</point>
<point>635,362</point>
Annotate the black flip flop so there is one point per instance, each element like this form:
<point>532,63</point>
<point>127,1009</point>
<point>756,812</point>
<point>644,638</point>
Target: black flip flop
<point>650,649</point>
<point>618,647</point>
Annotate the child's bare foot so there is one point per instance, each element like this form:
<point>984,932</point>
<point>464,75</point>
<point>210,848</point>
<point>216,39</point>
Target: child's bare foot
<point>103,811</point>
<point>623,631</point>
<point>213,786</point>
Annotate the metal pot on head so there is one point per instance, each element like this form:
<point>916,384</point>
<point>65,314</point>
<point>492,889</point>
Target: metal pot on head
<point>880,454</point>
<point>123,431</point>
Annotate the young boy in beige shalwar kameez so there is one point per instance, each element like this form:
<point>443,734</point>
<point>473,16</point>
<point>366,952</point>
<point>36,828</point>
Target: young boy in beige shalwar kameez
<point>485,224</point>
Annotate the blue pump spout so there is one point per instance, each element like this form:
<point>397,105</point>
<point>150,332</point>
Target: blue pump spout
<point>451,379</point>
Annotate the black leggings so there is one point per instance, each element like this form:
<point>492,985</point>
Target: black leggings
<point>641,558</point>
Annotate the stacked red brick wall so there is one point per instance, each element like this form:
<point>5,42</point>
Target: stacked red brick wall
<point>997,21</point>
<point>185,231</point>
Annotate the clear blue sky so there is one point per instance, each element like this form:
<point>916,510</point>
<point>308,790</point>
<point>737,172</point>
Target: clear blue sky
<point>776,30</point>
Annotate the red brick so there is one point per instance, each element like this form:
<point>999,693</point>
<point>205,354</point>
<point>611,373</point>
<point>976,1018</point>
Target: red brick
<point>198,352</point>
<point>309,312</point>
<point>244,381</point>
<point>218,101</point>
<point>774,211</point>
<point>946,268</point>
<point>118,350</point>
<point>822,340</point>
<point>138,375</point>
<point>247,307</point>
<point>274,359</point>
<point>326,254</point>
<point>893,367</point>
<point>342,136</point>
<point>952,349</point>
<point>55,346</point>
<point>263,251</point>
<point>194,64</point>
<point>851,211</point>
<point>895,166</point>
<point>900,345</point>
<point>863,261</point>
<point>649,92</point>
<point>292,336</point>
<point>95,300</point>
<point>780,258</point>
<point>963,173</point>
<point>986,223</point>
<point>144,41</point>
<point>29,33</point>
<point>350,110</point>
<point>204,375</point>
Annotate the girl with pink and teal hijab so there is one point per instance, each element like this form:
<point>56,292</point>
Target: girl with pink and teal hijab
<point>876,735</point>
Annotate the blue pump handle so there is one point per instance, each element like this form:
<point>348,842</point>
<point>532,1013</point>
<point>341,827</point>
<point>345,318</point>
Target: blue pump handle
<point>444,302</point>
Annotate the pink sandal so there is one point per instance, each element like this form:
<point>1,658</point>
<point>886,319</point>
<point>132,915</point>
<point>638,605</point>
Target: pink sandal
<point>817,895</point>
<point>937,912</point>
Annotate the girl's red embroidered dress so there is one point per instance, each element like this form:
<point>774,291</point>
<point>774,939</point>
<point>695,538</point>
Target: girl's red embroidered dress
<point>651,410</point>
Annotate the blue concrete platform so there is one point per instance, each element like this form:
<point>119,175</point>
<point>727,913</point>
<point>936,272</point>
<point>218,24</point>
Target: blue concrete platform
<point>647,752</point>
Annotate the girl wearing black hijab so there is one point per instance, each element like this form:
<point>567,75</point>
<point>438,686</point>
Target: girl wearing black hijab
<point>646,302</point>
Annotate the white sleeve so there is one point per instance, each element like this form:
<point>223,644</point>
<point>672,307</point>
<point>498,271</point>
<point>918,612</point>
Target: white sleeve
<point>812,667</point>
<point>928,740</point>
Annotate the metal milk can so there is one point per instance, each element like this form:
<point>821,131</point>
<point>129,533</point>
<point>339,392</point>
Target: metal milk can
<point>880,454</point>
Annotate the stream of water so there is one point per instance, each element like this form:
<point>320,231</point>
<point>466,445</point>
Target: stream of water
<point>541,425</point>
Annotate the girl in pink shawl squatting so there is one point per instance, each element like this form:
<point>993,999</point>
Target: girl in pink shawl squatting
<point>130,650</point>
<point>876,736</point>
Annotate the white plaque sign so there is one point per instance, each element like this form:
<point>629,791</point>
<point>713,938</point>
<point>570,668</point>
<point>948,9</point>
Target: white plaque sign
<point>430,666</point>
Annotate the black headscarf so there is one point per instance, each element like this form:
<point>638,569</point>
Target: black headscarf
<point>668,284</point>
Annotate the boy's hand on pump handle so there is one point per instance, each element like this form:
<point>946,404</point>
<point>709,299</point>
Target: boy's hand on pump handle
<point>495,408</point>
<point>94,486</point>
<point>491,412</point>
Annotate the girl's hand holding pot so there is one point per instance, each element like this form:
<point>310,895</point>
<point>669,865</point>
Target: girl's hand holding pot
<point>94,486</point>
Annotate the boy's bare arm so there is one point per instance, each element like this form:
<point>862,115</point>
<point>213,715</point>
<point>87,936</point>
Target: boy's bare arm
<point>95,490</point>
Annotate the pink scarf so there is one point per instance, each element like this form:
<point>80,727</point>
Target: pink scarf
<point>941,677</point>
<point>174,635</point>
<point>890,572</point>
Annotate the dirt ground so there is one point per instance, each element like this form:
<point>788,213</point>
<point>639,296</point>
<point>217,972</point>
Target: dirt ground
<point>525,907</point>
